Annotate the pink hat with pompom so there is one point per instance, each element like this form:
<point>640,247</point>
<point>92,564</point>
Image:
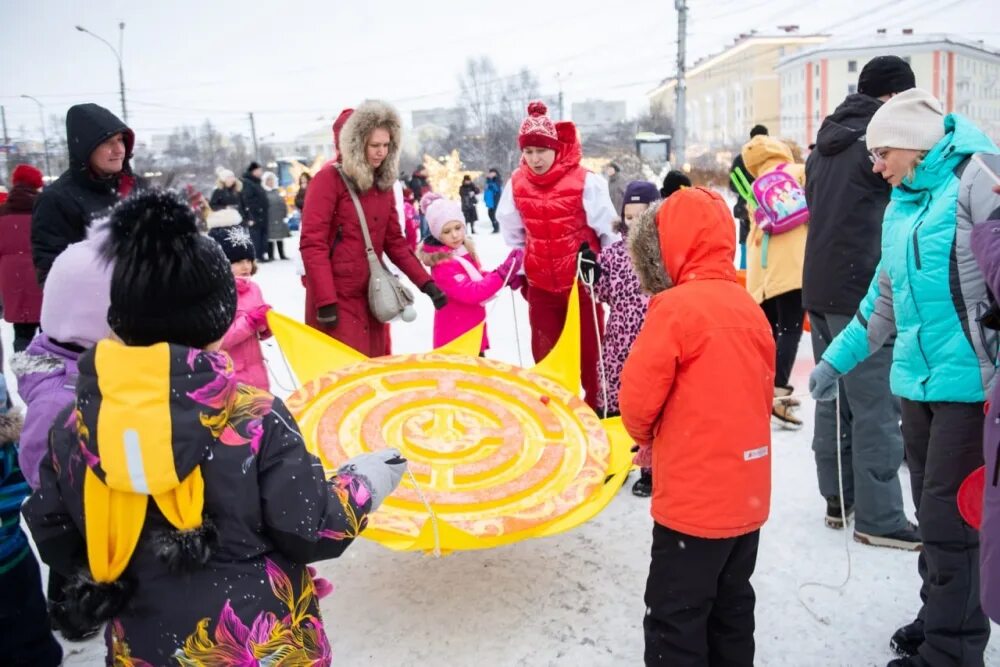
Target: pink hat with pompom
<point>440,212</point>
<point>429,199</point>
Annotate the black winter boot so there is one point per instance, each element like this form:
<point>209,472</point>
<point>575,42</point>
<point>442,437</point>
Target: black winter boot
<point>833,517</point>
<point>906,641</point>
<point>643,487</point>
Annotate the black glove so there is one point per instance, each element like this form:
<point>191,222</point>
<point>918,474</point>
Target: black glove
<point>589,267</point>
<point>437,296</point>
<point>327,316</point>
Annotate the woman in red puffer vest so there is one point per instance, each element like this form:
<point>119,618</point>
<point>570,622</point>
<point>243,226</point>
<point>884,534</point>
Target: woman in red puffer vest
<point>551,207</point>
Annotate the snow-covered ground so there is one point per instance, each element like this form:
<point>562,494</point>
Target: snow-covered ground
<point>576,599</point>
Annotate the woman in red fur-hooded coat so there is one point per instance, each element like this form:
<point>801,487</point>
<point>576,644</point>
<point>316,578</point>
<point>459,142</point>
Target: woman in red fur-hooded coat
<point>332,245</point>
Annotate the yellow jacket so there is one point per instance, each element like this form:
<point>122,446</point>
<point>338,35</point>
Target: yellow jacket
<point>786,252</point>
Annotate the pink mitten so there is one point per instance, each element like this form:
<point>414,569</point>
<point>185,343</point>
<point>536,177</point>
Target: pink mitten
<point>516,281</point>
<point>644,457</point>
<point>512,264</point>
<point>259,317</point>
<point>322,585</point>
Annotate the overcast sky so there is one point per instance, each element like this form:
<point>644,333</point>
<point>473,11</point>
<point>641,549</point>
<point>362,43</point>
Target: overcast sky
<point>186,60</point>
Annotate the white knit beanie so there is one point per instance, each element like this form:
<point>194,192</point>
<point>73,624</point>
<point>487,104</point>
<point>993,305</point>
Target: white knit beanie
<point>912,119</point>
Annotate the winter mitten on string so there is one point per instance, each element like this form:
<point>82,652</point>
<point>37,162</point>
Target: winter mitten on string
<point>517,282</point>
<point>823,381</point>
<point>380,471</point>
<point>590,269</point>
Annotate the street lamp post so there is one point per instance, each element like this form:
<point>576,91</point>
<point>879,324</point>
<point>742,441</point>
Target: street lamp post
<point>118,55</point>
<point>45,136</point>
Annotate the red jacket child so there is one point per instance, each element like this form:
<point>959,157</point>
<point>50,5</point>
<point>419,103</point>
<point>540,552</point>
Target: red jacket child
<point>705,343</point>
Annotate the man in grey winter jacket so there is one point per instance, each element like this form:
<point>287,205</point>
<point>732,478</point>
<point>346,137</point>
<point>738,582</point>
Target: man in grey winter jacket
<point>846,204</point>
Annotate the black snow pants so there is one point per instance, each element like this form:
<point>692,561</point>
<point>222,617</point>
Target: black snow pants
<point>699,601</point>
<point>944,443</point>
<point>785,314</point>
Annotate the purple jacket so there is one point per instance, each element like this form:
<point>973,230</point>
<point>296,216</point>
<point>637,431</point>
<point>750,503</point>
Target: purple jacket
<point>986,248</point>
<point>619,287</point>
<point>46,380</point>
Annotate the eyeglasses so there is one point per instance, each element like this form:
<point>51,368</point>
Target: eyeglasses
<point>876,154</point>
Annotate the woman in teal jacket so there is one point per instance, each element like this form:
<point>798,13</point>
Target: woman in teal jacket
<point>928,291</point>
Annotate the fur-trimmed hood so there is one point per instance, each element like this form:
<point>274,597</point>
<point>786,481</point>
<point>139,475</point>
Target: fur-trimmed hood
<point>644,247</point>
<point>11,423</point>
<point>431,252</point>
<point>689,237</point>
<point>371,114</point>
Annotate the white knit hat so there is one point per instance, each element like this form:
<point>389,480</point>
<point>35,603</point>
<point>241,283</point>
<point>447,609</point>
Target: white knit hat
<point>912,119</point>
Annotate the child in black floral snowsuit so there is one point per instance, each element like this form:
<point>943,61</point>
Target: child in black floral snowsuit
<point>183,505</point>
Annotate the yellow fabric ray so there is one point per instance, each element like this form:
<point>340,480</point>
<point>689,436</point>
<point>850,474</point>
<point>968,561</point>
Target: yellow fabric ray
<point>562,364</point>
<point>309,352</point>
<point>468,343</point>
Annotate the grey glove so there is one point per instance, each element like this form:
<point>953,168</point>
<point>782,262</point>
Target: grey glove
<point>381,472</point>
<point>823,381</point>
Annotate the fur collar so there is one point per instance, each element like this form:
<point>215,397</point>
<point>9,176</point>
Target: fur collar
<point>370,115</point>
<point>644,247</point>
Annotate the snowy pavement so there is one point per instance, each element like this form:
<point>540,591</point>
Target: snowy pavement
<point>576,598</point>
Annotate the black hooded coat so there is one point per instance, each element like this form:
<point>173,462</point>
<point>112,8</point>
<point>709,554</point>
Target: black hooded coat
<point>65,209</point>
<point>846,204</point>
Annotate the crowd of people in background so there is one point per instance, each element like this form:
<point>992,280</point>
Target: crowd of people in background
<point>137,320</point>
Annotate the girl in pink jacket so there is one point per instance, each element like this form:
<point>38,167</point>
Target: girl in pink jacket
<point>242,341</point>
<point>456,270</point>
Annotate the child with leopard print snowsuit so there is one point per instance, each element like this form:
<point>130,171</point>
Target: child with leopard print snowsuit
<point>618,286</point>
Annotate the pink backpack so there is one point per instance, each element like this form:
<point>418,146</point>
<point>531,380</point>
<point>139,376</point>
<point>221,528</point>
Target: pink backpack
<point>781,202</point>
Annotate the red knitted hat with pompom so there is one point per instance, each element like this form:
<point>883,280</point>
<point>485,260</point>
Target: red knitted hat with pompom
<point>538,129</point>
<point>25,174</point>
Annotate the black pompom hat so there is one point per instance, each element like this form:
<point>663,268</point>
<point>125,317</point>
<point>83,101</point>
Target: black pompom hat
<point>170,283</point>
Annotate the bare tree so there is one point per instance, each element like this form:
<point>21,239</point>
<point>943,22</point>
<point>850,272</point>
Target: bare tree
<point>496,104</point>
<point>478,88</point>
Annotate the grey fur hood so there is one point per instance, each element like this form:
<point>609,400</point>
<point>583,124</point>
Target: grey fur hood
<point>371,114</point>
<point>644,247</point>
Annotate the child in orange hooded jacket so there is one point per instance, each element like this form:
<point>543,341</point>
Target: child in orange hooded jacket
<point>704,341</point>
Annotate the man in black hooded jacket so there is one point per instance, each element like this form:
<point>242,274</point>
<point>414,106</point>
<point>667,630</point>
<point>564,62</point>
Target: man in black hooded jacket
<point>99,174</point>
<point>843,247</point>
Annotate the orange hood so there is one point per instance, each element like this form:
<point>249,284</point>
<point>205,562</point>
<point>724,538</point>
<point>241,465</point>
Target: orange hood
<point>697,236</point>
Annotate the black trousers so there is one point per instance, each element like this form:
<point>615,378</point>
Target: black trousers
<point>258,234</point>
<point>25,636</point>
<point>281,249</point>
<point>699,601</point>
<point>23,333</point>
<point>785,314</point>
<point>492,212</point>
<point>944,443</point>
